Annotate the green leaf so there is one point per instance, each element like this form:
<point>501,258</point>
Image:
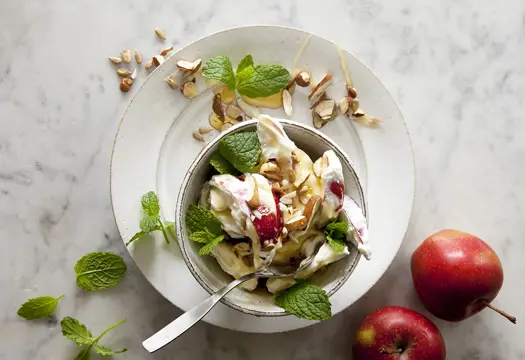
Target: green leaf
<point>76,332</point>
<point>336,234</point>
<point>242,150</point>
<point>220,68</point>
<point>337,245</point>
<point>246,62</point>
<point>265,80</point>
<point>222,165</point>
<point>170,226</point>
<point>206,249</point>
<point>149,223</point>
<point>203,237</point>
<point>198,218</point>
<point>150,203</point>
<point>99,270</point>
<point>245,69</point>
<point>104,351</point>
<point>38,307</point>
<point>305,300</point>
<point>83,354</point>
<point>136,237</point>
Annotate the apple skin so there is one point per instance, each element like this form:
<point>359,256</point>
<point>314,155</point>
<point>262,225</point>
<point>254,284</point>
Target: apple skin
<point>398,333</point>
<point>454,273</point>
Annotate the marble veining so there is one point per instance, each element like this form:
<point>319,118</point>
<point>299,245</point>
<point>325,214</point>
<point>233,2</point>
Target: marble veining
<point>455,67</point>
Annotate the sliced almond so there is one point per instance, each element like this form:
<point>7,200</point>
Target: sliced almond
<point>189,67</point>
<point>134,74</point>
<point>325,109</point>
<point>189,89</point>
<point>287,103</point>
<point>318,168</point>
<point>304,198</point>
<point>318,122</point>
<point>291,86</point>
<point>158,60</point>
<point>302,166</point>
<point>230,120</point>
<point>253,203</point>
<point>320,88</point>
<point>149,64</point>
<point>115,60</point>
<point>160,33</point>
<point>250,111</point>
<point>288,198</point>
<point>234,112</point>
<point>126,56</point>
<point>311,208</point>
<point>226,126</point>
<point>271,171</point>
<point>344,105</point>
<point>303,79</point>
<point>358,113</point>
<point>205,129</point>
<point>198,136</point>
<point>123,72</point>
<point>138,57</point>
<point>171,82</point>
<point>217,107</point>
<point>215,121</point>
<point>354,105</point>
<point>296,223</point>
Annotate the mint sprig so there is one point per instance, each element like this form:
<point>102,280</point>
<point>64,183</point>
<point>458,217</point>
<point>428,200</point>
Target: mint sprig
<point>250,80</point>
<point>80,335</point>
<point>336,234</point>
<point>99,270</point>
<point>38,307</point>
<point>151,221</point>
<point>242,150</point>
<point>205,228</point>
<point>222,165</point>
<point>305,300</point>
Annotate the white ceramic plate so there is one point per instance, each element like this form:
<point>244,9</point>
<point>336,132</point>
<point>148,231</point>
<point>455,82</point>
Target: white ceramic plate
<point>154,148</point>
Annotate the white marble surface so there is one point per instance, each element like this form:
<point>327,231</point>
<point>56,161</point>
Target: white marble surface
<point>456,68</point>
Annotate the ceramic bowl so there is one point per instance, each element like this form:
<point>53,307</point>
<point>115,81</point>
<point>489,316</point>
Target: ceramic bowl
<point>207,271</point>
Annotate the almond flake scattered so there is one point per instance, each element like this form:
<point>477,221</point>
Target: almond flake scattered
<point>123,72</point>
<point>325,109</point>
<point>205,129</point>
<point>134,74</point>
<point>198,136</point>
<point>189,89</point>
<point>287,103</point>
<point>171,82</point>
<point>189,67</point>
<point>344,104</point>
<point>138,57</point>
<point>160,33</point>
<point>319,90</point>
<point>115,60</point>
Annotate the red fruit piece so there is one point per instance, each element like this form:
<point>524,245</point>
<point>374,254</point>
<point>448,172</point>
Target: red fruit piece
<point>338,189</point>
<point>269,226</point>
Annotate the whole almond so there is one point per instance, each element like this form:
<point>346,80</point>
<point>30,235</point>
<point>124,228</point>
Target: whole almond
<point>160,33</point>
<point>138,57</point>
<point>303,79</point>
<point>125,84</point>
<point>126,56</point>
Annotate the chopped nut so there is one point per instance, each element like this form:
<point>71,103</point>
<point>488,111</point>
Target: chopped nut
<point>352,92</point>
<point>226,126</point>
<point>158,60</point>
<point>215,121</point>
<point>134,74</point>
<point>123,72</point>
<point>126,56</point>
<point>189,67</point>
<point>138,57</point>
<point>311,208</point>
<point>277,190</point>
<point>318,122</point>
<point>284,232</point>
<point>288,198</point>
<point>125,84</point>
<point>325,109</point>
<point>355,105</point>
<point>254,200</point>
<point>198,136</point>
<point>205,129</point>
<point>171,82</point>
<point>115,60</point>
<point>271,170</point>
<point>318,168</point>
<point>303,79</point>
<point>165,51</point>
<point>189,89</point>
<point>304,198</point>
<point>287,103</point>
<point>296,223</point>
<point>160,33</point>
<point>358,113</point>
<point>149,64</point>
<point>250,111</point>
<point>344,104</point>
<point>234,112</point>
<point>320,88</point>
<point>217,107</point>
<point>304,189</point>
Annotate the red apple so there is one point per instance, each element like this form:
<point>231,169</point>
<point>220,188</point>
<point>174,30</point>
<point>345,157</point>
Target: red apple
<point>456,275</point>
<point>397,333</point>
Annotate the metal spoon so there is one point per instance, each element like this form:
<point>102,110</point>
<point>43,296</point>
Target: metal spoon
<point>178,326</point>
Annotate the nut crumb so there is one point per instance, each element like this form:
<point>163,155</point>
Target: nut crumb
<point>138,57</point>
<point>123,72</point>
<point>158,60</point>
<point>165,51</point>
<point>149,64</point>
<point>126,56</point>
<point>205,129</point>
<point>171,82</point>
<point>198,136</point>
<point>115,60</point>
<point>125,84</point>
<point>160,33</point>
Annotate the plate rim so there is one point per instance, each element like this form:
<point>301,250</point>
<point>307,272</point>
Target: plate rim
<point>413,186</point>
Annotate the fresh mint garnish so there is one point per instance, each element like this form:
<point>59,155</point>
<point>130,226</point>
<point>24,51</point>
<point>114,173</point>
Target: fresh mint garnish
<point>222,165</point>
<point>220,68</point>
<point>99,270</point>
<point>265,80</point>
<point>151,221</point>
<point>242,150</point>
<point>205,228</point>
<point>305,300</point>
<point>80,335</point>
<point>336,234</point>
<point>38,307</point>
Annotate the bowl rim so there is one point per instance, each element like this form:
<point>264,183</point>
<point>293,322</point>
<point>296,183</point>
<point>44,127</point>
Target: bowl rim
<point>182,241</point>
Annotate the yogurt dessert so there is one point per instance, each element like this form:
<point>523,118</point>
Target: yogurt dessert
<point>275,205</point>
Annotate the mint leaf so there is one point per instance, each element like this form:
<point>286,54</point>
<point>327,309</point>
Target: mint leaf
<point>170,226</point>
<point>221,164</point>
<point>38,307</point>
<point>245,69</point>
<point>150,203</point>
<point>198,218</point>
<point>76,332</point>
<point>136,237</point>
<point>149,223</point>
<point>265,80</point>
<point>203,237</point>
<point>104,351</point>
<point>99,270</point>
<point>206,249</point>
<point>220,68</point>
<point>242,150</point>
<point>336,234</point>
<point>246,62</point>
<point>305,300</point>
<point>83,354</point>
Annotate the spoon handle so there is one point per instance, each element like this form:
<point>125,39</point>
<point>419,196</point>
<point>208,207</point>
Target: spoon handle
<point>178,326</point>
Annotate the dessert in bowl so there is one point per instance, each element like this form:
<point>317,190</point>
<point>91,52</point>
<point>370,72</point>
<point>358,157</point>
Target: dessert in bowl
<point>272,196</point>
